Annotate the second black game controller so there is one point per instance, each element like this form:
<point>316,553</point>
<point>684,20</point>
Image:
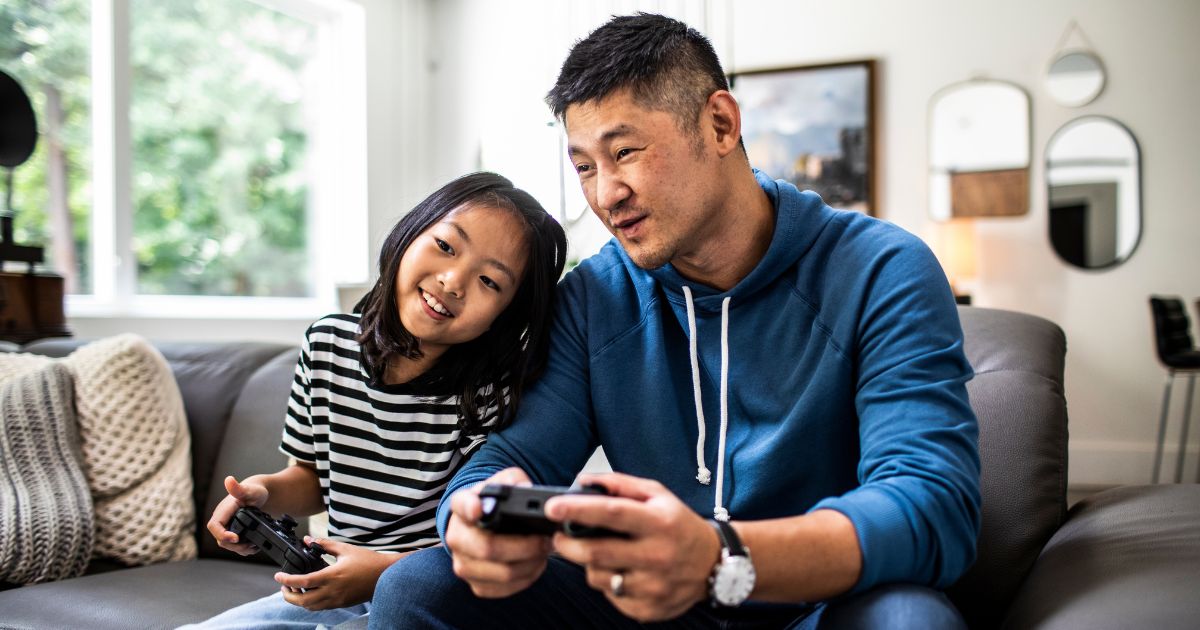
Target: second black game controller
<point>277,539</point>
<point>520,510</point>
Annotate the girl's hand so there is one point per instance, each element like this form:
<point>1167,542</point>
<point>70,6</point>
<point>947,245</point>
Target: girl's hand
<point>240,495</point>
<point>349,581</point>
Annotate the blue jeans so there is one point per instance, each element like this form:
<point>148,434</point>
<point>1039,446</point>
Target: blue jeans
<point>421,591</point>
<point>273,613</point>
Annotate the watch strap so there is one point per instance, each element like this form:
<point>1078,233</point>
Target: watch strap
<point>729,538</point>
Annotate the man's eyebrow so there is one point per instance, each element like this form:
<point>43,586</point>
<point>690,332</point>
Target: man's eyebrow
<point>623,129</point>
<point>491,261</point>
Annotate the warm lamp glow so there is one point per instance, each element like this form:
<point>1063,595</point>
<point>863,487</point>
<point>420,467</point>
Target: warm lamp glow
<point>955,246</point>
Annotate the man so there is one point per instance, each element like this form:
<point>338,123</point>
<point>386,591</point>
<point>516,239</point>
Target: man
<point>763,372</point>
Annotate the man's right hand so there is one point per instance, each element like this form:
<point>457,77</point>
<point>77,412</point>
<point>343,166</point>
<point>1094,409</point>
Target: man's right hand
<point>245,494</point>
<point>494,565</point>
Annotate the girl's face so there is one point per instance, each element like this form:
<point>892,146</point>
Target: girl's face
<point>459,274</point>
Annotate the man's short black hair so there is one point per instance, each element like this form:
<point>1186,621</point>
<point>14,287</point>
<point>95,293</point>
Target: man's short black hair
<point>666,65</point>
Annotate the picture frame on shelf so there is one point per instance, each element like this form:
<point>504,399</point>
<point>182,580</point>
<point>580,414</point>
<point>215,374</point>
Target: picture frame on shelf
<point>815,127</point>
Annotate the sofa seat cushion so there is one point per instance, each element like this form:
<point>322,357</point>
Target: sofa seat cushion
<point>1126,558</point>
<point>163,595</point>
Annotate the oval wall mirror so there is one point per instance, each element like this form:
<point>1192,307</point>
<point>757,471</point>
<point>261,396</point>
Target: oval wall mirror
<point>979,150</point>
<point>1094,190</point>
<point>1075,78</point>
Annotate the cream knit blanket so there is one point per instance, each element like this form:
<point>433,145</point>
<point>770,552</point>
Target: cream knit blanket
<point>136,448</point>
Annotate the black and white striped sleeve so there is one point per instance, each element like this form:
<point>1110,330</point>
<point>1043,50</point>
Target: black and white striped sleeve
<point>297,439</point>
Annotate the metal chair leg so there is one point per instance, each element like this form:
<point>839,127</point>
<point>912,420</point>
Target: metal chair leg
<point>1162,425</point>
<point>1183,434</point>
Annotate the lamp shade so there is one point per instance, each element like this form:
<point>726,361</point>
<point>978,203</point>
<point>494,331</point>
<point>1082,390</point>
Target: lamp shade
<point>955,246</point>
<point>18,126</point>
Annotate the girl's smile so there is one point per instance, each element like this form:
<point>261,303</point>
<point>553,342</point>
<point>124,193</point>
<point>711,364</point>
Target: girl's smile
<point>436,309</point>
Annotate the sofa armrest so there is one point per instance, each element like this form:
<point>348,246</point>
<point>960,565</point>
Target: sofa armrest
<point>1126,558</point>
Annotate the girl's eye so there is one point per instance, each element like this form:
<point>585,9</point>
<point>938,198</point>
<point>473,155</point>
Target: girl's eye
<point>582,168</point>
<point>443,245</point>
<point>489,283</point>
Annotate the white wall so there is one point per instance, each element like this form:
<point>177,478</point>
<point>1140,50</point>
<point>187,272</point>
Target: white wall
<point>494,60</point>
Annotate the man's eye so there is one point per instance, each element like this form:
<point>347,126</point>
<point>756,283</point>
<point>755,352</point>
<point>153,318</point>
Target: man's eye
<point>444,246</point>
<point>623,152</point>
<point>489,283</point>
<point>582,168</point>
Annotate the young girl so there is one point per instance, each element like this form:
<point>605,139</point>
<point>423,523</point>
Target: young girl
<point>388,403</point>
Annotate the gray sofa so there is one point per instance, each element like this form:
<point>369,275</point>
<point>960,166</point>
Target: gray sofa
<point>1125,558</point>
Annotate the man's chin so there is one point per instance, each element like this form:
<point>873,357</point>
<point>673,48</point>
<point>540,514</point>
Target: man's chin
<point>646,259</point>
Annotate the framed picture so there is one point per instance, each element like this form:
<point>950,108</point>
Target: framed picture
<point>815,127</point>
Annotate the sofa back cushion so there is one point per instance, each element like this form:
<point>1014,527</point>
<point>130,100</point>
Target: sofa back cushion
<point>1017,394</point>
<point>251,442</point>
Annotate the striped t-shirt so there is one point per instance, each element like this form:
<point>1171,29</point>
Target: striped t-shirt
<point>384,453</point>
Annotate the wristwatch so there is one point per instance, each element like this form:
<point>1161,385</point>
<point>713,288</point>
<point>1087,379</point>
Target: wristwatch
<point>732,578</point>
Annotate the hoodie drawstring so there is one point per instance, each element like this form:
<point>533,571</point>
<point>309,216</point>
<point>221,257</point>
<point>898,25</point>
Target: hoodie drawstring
<point>703,475</point>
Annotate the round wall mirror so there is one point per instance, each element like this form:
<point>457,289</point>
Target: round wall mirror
<point>979,150</point>
<point>1094,190</point>
<point>1075,78</point>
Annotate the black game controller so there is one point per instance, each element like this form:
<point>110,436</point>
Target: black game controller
<point>277,539</point>
<point>520,510</point>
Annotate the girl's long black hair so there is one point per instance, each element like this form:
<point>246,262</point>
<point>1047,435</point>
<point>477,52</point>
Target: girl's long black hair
<point>489,373</point>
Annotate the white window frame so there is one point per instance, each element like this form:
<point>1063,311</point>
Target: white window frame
<point>337,238</point>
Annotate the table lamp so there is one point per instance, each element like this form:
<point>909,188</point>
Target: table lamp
<point>955,245</point>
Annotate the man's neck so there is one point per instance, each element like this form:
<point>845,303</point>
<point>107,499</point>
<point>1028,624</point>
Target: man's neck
<point>735,245</point>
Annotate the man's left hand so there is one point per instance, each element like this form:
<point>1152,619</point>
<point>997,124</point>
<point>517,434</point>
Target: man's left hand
<point>349,581</point>
<point>665,562</point>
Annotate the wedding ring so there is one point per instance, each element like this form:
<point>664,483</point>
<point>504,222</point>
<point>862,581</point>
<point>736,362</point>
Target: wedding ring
<point>617,584</point>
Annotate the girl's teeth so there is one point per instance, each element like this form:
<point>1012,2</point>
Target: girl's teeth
<point>435,305</point>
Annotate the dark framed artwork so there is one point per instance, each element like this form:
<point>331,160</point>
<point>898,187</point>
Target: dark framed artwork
<point>815,127</point>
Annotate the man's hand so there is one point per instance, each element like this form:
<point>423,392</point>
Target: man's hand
<point>665,562</point>
<point>240,495</point>
<point>348,581</point>
<point>494,565</point>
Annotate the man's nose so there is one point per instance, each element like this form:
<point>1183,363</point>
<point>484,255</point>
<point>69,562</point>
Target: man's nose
<point>611,190</point>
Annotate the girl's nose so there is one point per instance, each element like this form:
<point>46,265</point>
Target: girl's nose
<point>450,281</point>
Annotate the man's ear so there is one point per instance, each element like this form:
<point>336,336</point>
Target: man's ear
<point>726,119</point>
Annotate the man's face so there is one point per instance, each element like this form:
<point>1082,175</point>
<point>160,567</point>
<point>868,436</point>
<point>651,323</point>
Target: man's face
<point>648,181</point>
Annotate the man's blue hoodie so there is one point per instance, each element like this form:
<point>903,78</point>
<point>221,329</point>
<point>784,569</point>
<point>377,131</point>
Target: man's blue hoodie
<point>845,389</point>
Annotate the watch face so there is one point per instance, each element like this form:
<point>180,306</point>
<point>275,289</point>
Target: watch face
<point>734,581</point>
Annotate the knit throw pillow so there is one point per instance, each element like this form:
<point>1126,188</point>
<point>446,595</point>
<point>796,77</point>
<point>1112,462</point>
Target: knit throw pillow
<point>136,449</point>
<point>46,528</point>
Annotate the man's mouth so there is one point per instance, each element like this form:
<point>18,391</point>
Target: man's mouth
<point>436,305</point>
<point>627,223</point>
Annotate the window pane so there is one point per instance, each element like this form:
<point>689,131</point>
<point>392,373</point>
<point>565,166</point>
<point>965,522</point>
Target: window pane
<point>219,142</point>
<point>45,46</point>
